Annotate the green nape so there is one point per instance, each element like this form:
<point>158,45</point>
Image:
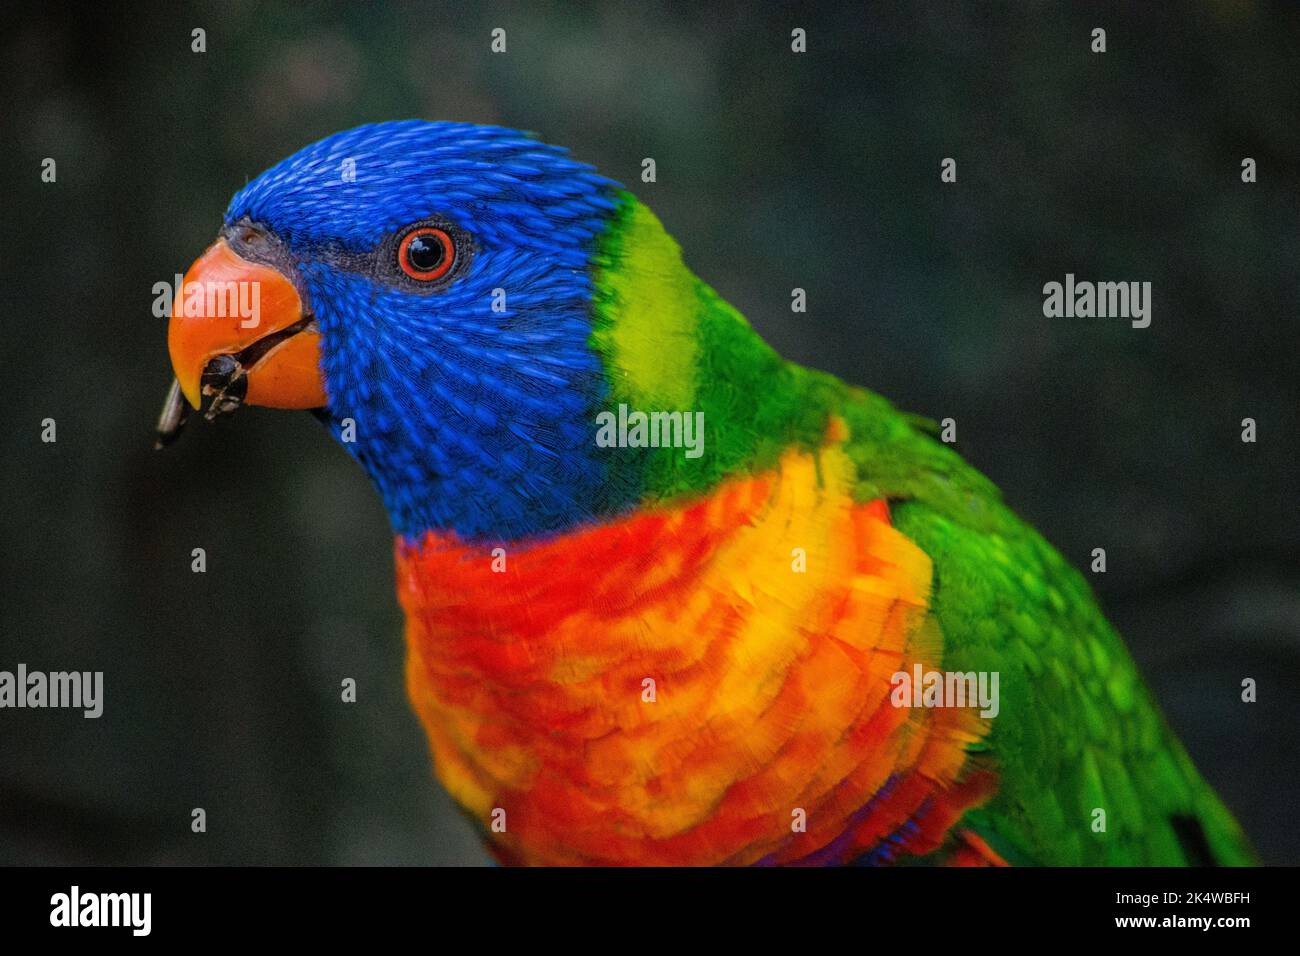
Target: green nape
<point>670,343</point>
<point>1089,771</point>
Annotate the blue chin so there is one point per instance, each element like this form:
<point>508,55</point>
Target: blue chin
<point>469,421</point>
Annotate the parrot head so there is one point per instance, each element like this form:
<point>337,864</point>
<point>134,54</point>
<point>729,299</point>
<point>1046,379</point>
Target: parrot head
<point>425,289</point>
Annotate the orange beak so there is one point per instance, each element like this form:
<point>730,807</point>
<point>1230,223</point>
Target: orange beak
<point>250,317</point>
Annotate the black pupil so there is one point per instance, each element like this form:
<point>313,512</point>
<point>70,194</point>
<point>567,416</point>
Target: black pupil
<point>425,253</point>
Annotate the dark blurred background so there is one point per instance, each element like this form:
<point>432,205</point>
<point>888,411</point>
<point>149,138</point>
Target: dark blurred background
<point>775,170</point>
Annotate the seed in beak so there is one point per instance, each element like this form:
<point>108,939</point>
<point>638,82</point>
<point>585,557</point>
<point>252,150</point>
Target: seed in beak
<point>227,381</point>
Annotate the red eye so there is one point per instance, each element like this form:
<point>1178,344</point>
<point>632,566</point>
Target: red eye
<point>426,254</point>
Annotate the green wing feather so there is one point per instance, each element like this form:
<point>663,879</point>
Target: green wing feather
<point>1077,731</point>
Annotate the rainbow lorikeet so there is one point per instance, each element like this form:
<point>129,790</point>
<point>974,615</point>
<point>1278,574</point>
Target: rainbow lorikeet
<point>669,598</point>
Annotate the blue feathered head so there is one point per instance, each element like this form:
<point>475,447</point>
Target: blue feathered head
<point>447,271</point>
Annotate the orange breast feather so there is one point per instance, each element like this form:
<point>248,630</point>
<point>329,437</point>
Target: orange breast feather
<point>706,683</point>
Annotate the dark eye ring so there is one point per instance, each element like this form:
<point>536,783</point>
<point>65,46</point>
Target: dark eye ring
<point>426,254</point>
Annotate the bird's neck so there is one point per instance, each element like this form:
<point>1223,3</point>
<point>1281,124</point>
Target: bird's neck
<point>662,393</point>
